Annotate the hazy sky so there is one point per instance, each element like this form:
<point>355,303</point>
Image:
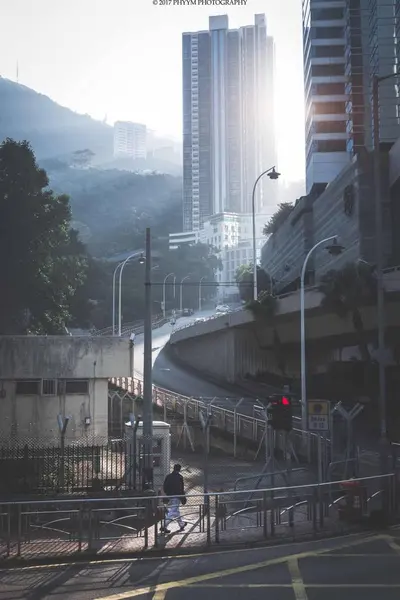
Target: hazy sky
<point>122,58</point>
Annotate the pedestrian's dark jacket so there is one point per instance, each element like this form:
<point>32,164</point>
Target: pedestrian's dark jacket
<point>173,485</point>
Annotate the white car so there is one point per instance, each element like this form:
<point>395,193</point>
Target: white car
<point>222,308</point>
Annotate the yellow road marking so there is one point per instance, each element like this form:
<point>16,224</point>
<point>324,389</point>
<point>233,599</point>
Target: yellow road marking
<point>233,571</point>
<point>297,580</point>
<point>160,595</point>
<point>393,544</point>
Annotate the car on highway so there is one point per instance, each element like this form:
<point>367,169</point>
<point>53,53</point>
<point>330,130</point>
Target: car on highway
<point>222,308</point>
<point>187,312</point>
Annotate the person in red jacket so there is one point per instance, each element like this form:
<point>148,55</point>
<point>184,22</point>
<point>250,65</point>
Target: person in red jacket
<point>174,488</point>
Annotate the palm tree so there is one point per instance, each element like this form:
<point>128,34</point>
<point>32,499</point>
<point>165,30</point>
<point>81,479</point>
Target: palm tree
<point>346,291</point>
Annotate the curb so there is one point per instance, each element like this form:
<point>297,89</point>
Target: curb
<point>161,553</point>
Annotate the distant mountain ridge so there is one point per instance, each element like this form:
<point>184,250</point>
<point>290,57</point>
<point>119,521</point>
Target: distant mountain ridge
<point>53,130</point>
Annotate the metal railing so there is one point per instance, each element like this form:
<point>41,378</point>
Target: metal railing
<point>240,426</point>
<point>60,528</point>
<point>309,288</point>
<point>133,327</point>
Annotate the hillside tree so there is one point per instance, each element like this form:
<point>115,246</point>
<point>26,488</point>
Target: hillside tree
<point>42,262</point>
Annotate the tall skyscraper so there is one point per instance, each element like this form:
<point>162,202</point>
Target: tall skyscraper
<point>129,140</point>
<point>228,117</point>
<point>325,94</point>
<point>346,43</point>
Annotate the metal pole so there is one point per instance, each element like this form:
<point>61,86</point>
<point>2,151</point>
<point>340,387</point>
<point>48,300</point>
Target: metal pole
<point>235,426</point>
<point>253,214</point>
<point>174,287</point>
<point>379,267</point>
<point>113,297</point>
<point>304,422</point>
<point>147,374</point>
<point>181,299</point>
<point>202,279</point>
<point>165,279</point>
<point>120,290</point>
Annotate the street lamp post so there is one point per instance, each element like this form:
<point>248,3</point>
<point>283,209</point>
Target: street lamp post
<point>133,255</point>
<point>202,279</point>
<point>147,478</point>
<point>379,260</point>
<point>181,298</point>
<point>334,249</point>
<point>113,297</point>
<point>272,174</point>
<point>165,280</point>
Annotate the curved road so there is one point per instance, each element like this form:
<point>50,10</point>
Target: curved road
<point>167,374</point>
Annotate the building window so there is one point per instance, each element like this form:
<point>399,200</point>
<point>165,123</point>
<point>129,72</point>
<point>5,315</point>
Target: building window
<point>48,387</point>
<point>330,146</point>
<point>327,70</point>
<point>327,89</point>
<point>326,14</point>
<point>27,387</point>
<point>330,126</point>
<point>329,108</point>
<point>74,386</point>
<point>327,33</point>
<point>327,51</point>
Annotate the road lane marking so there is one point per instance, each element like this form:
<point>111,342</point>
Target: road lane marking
<point>392,543</point>
<point>160,595</point>
<point>297,580</point>
<point>235,570</point>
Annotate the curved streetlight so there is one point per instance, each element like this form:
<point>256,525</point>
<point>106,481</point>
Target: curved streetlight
<point>272,174</point>
<point>202,279</point>
<point>133,255</point>
<point>164,300</point>
<point>181,284</point>
<point>333,249</point>
<point>113,296</point>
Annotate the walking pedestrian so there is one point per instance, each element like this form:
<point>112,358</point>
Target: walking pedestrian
<point>174,489</point>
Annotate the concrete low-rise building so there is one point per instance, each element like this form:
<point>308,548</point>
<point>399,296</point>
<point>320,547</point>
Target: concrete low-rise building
<point>346,209</point>
<point>42,377</point>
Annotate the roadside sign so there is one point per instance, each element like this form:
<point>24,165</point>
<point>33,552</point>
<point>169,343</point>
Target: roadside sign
<point>318,415</point>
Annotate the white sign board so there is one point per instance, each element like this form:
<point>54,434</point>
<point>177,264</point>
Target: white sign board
<point>318,415</point>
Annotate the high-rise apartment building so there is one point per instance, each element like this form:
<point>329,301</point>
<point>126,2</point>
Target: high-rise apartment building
<point>228,117</point>
<point>129,140</point>
<point>325,94</point>
<point>346,43</point>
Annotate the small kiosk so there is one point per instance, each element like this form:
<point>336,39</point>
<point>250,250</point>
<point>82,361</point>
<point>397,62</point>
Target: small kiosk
<point>134,453</point>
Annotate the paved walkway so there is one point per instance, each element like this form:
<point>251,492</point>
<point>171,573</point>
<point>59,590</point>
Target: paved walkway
<point>113,529</point>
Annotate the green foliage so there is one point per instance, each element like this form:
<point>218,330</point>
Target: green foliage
<point>346,291</point>
<point>42,262</point>
<point>244,279</point>
<point>264,307</point>
<point>278,218</point>
<point>111,209</point>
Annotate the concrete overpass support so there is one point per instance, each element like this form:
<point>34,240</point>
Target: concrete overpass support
<point>213,354</point>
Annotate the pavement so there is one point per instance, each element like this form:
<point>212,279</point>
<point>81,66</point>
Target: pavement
<point>359,567</point>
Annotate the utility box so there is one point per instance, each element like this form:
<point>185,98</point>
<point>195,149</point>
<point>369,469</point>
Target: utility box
<point>135,454</point>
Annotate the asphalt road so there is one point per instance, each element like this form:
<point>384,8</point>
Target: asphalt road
<point>168,375</point>
<point>349,568</point>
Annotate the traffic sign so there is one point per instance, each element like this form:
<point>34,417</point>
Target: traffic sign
<point>318,415</point>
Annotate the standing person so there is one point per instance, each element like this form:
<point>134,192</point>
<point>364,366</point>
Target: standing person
<point>174,488</point>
